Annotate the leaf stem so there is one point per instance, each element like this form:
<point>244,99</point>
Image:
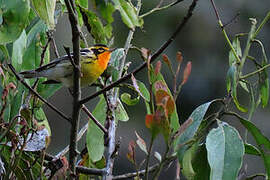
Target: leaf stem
<point>160,8</point>
<point>148,157</point>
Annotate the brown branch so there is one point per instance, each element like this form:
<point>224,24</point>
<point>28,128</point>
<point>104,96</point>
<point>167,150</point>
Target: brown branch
<point>90,115</point>
<point>110,138</point>
<point>153,57</point>
<point>92,171</point>
<point>73,18</point>
<point>37,95</point>
<point>133,174</point>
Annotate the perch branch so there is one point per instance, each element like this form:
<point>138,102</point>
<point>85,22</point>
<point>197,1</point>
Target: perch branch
<point>73,19</point>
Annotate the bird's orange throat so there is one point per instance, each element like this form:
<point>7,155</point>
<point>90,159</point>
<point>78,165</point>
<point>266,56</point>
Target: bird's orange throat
<point>104,58</point>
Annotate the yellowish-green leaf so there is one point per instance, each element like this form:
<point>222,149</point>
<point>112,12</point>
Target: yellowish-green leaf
<point>45,10</point>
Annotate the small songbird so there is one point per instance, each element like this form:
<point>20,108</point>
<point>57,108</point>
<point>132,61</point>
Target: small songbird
<point>94,61</point>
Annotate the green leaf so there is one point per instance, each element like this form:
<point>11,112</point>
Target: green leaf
<point>115,60</point>
<point>200,164</point>
<point>45,10</point>
<point>19,47</point>
<point>188,170</point>
<point>264,80</point>
<point>16,102</point>
<point>144,91</point>
<point>128,13</point>
<point>95,136</point>
<point>237,48</point>
<point>126,98</point>
<point>225,150</point>
<point>232,82</point>
<point>94,26</point>
<point>250,149</point>
<point>83,3</point>
<point>106,10</point>
<point>141,89</point>
<point>120,112</point>
<point>262,142</point>
<point>197,117</point>
<point>14,15</point>
<point>3,53</point>
<point>41,118</point>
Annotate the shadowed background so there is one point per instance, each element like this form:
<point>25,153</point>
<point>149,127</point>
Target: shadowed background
<point>201,42</point>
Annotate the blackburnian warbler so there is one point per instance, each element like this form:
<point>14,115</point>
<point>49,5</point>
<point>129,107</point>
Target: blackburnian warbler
<point>94,61</point>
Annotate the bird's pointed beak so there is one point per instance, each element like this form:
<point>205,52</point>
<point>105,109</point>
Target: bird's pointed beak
<point>111,50</point>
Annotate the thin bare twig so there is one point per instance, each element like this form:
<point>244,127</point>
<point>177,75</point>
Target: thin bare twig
<point>90,115</point>
<point>153,57</point>
<point>80,135</point>
<point>37,95</point>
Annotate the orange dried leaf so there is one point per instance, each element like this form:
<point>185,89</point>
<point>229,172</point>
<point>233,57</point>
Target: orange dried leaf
<point>187,72</point>
<point>131,151</point>
<point>149,118</point>
<point>165,100</point>
<point>166,59</point>
<point>11,86</point>
<point>158,67</point>
<point>145,53</point>
<point>179,57</point>
<point>160,85</point>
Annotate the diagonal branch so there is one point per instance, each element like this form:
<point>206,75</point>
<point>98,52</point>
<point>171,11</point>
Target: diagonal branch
<point>153,57</point>
<point>37,95</point>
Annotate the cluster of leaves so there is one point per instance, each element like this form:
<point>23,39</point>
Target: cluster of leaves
<point>206,151</point>
<point>25,36</point>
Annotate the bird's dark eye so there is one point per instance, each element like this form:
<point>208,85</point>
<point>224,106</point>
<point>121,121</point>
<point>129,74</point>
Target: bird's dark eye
<point>101,50</point>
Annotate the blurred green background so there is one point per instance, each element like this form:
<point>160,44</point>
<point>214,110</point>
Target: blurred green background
<point>201,42</point>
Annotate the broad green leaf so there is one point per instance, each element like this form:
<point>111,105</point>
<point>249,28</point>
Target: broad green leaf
<point>94,26</point>
<point>83,3</point>
<point>250,149</point>
<point>106,10</point>
<point>197,117</point>
<point>232,82</point>
<point>14,14</point>
<point>225,150</point>
<point>144,91</point>
<point>95,146</point>
<point>120,112</point>
<point>41,118</point>
<point>141,89</point>
<point>262,142</point>
<point>45,10</point>
<point>200,164</point>
<point>95,136</point>
<point>115,60</point>
<point>188,170</point>
<point>126,98</point>
<point>4,55</point>
<point>19,47</point>
<point>16,102</point>
<point>128,13</point>
<point>256,133</point>
<point>237,48</point>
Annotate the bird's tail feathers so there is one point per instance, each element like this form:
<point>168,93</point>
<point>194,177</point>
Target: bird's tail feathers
<point>30,74</point>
